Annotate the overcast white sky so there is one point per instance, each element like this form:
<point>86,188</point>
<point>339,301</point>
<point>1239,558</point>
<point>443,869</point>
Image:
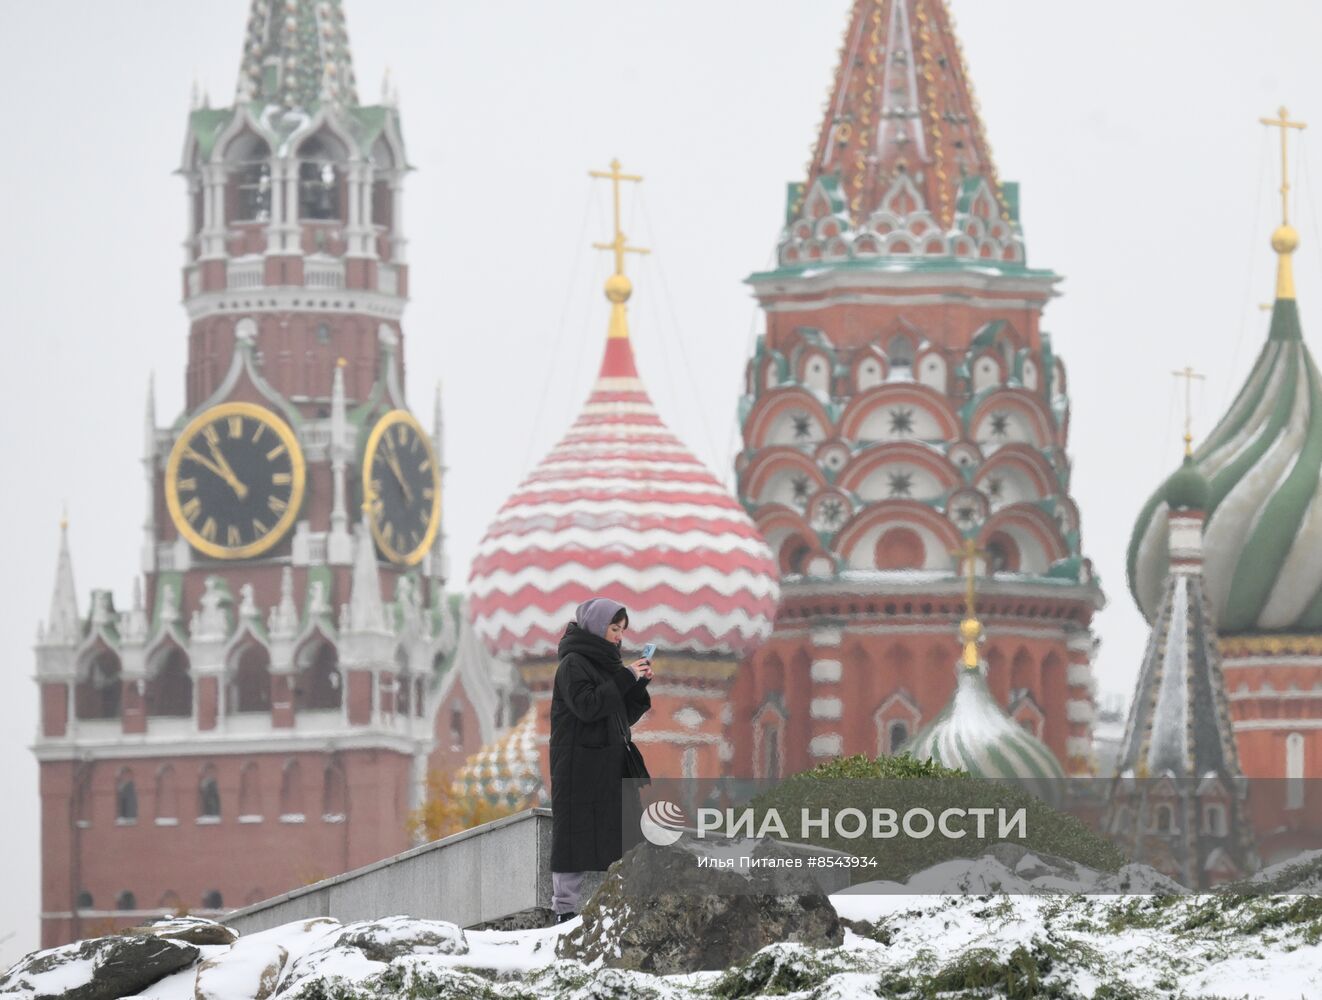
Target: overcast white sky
<point>1132,127</point>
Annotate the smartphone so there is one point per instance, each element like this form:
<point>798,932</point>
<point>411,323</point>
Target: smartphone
<point>649,651</point>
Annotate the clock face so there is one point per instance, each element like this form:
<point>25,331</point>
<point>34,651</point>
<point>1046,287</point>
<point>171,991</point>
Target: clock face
<point>402,488</point>
<point>234,481</point>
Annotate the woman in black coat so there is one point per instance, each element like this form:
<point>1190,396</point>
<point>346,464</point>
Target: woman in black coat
<point>595,701</point>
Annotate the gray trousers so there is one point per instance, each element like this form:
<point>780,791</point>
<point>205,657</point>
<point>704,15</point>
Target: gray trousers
<point>566,890</point>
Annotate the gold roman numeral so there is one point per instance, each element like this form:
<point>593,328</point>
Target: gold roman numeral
<point>236,427</point>
<point>276,505</point>
<point>424,515</point>
<point>192,509</point>
<point>388,532</point>
<point>258,527</point>
<point>275,452</point>
<point>256,435</point>
<point>209,529</point>
<point>403,435</point>
<point>232,537</point>
<point>428,492</point>
<point>187,485</point>
<point>424,465</point>
<point>211,434</point>
<point>282,478</point>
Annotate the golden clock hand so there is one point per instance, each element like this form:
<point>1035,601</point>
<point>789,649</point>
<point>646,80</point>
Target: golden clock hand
<point>236,484</point>
<point>224,473</point>
<point>392,460</point>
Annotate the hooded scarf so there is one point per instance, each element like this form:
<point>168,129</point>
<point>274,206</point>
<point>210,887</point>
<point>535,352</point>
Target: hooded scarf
<point>596,613</point>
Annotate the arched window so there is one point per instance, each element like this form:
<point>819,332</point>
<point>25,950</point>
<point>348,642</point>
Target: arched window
<point>97,695</point>
<point>126,798</point>
<point>291,793</point>
<point>1294,771</point>
<point>317,685</point>
<point>248,160</point>
<point>250,684</point>
<point>213,900</point>
<point>403,682</point>
<point>319,176</point>
<point>84,900</point>
<point>250,793</point>
<point>1164,819</point>
<point>208,795</point>
<point>457,728</point>
<point>897,734</point>
<point>333,800</point>
<point>899,352</point>
<point>1214,819</point>
<point>126,901</point>
<point>170,688</point>
<point>167,797</point>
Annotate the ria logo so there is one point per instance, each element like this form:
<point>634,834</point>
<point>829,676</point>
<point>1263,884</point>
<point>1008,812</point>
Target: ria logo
<point>662,823</point>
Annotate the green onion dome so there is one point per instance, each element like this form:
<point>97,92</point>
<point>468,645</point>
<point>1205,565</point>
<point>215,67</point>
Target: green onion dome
<point>973,733</point>
<point>1263,468</point>
<point>1187,489</point>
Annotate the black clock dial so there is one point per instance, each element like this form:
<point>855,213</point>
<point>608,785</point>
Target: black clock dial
<point>235,481</point>
<point>402,488</point>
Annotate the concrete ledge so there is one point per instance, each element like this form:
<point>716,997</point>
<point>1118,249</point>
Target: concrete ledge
<point>496,874</point>
<point>471,877</point>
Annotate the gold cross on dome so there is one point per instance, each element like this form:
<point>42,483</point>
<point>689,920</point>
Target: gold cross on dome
<point>1188,374</point>
<point>970,553</point>
<point>1284,124</point>
<point>619,244</point>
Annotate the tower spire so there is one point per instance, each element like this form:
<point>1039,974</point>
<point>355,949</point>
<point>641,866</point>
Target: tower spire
<point>296,54</point>
<point>63,624</point>
<point>901,104</point>
<point>1285,239</point>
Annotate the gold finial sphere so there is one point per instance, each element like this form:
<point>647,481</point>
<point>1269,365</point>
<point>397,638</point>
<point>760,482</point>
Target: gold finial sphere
<point>970,630</point>
<point>1285,239</point>
<point>341,363</point>
<point>618,288</point>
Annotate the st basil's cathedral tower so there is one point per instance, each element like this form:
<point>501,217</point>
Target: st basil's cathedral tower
<point>905,412</point>
<point>620,508</point>
<point>1263,466</point>
<point>257,718</point>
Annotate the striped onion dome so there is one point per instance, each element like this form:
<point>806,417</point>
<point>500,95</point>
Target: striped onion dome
<point>1263,464</point>
<point>973,733</point>
<point>620,508</point>
<point>507,771</point>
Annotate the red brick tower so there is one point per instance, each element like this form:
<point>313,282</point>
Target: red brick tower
<point>258,718</point>
<point>903,404</point>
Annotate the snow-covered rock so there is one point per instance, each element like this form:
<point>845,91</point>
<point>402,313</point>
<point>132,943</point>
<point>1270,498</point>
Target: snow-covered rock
<point>657,911</point>
<point>193,930</point>
<point>104,968</point>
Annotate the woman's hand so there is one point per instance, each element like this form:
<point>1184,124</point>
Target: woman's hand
<point>641,669</point>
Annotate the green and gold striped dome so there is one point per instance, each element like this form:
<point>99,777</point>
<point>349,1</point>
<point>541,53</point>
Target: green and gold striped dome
<point>1263,466</point>
<point>973,733</point>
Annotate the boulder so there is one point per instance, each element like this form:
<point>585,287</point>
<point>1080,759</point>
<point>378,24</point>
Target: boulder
<point>194,930</point>
<point>103,968</point>
<point>367,948</point>
<point>658,912</point>
<point>387,939</point>
<point>250,969</point>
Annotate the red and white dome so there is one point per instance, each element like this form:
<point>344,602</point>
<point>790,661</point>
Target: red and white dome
<point>621,509</point>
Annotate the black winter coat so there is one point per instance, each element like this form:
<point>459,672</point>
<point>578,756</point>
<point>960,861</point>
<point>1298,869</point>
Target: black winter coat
<point>596,699</point>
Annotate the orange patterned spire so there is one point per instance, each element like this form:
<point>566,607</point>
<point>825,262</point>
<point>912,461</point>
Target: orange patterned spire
<point>901,104</point>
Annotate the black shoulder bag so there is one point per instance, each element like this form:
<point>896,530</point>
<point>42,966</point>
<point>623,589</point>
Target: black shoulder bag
<point>634,767</point>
